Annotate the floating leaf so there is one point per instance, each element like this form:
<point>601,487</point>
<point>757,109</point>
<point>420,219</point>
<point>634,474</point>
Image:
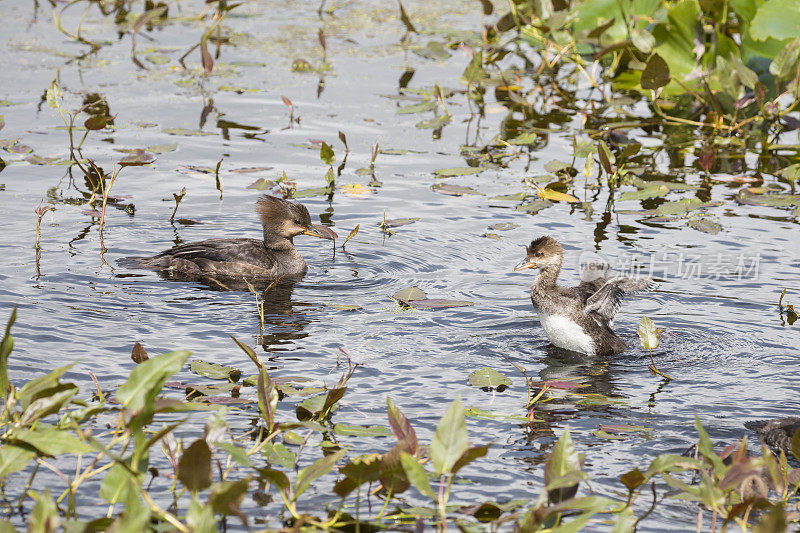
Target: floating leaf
<point>705,225</point>
<point>215,371</point>
<point>98,122</point>
<point>187,132</point>
<point>162,148</point>
<point>524,139</point>
<point>458,171</point>
<point>453,190</point>
<point>361,431</point>
<point>434,123</point>
<point>516,197</point>
<point>503,226</point>
<point>139,354</point>
<point>493,236</point>
<point>437,303</point>
<point>653,191</point>
<point>344,307</point>
<point>534,207</point>
<point>409,294</point>
<point>397,222</point>
<point>137,157</point>
<point>421,107</point>
<point>488,377</point>
<point>555,196</point>
<point>262,184</point>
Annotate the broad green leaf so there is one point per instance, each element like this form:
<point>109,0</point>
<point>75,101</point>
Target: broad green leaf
<point>421,107</point>
<point>488,377</point>
<point>14,458</point>
<point>361,431</point>
<point>326,154</point>
<point>656,73</point>
<point>450,439</point>
<point>777,19</point>
<point>200,517</point>
<point>643,40</point>
<point>44,516</point>
<point>653,191</point>
<point>6,347</point>
<point>563,460</point>
<point>434,123</point>
<point>215,371</point>
<point>226,496</point>
<point>147,379</point>
<point>416,474</point>
<point>51,441</point>
<point>54,95</point>
<point>409,294</point>
<point>318,468</point>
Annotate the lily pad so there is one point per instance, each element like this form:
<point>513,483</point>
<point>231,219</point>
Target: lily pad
<point>681,207</point>
<point>137,157</point>
<point>458,171</point>
<point>344,307</point>
<point>524,139</point>
<point>215,371</point>
<point>488,377</point>
<point>453,190</point>
<point>493,236</point>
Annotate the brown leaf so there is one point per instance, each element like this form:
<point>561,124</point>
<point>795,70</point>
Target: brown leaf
<point>205,57</point>
<point>139,354</point>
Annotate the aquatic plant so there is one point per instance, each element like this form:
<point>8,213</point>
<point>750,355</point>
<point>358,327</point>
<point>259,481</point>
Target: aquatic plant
<point>46,426</point>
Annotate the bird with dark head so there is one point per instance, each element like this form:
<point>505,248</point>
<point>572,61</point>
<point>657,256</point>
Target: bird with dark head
<point>270,258</point>
<point>579,319</point>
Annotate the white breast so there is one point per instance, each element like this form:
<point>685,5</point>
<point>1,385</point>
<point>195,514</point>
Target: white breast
<point>566,333</point>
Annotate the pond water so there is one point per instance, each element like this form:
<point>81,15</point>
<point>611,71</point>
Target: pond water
<point>730,352</point>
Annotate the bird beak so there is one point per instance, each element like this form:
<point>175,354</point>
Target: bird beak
<point>320,231</point>
<point>526,263</point>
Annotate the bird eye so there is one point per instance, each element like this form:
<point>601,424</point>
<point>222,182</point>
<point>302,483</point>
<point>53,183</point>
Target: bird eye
<point>538,254</point>
<point>297,221</point>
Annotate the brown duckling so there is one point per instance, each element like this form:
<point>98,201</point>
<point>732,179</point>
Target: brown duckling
<point>776,433</point>
<point>273,257</point>
<point>579,319</point>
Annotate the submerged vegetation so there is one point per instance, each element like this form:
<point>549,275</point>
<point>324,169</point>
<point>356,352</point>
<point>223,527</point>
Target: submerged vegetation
<point>669,101</point>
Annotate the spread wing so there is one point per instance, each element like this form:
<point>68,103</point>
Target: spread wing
<point>606,300</point>
<point>593,278</point>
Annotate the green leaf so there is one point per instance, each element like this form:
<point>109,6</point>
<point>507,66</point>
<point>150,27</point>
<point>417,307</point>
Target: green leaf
<point>14,458</point>
<point>421,107</point>
<point>476,452</point>
<point>795,447</point>
<point>200,518</point>
<point>458,171</point>
<point>563,460</point>
<point>453,190</point>
<point>216,371</point>
<point>326,154</point>
<point>655,74</point>
<point>194,468</point>
<point>474,72</point>
<point>653,191</point>
<point>643,40</point>
<point>409,294</point>
<point>488,377</point>
<point>226,496</point>
<point>416,474</point>
<point>44,516</point>
<point>318,468</point>
<point>239,455</point>
<point>777,19</point>
<point>147,379</point>
<point>54,95</point>
<point>6,347</point>
<point>450,439</point>
<point>648,334</point>
<point>51,441</point>
<point>434,123</point>
<point>356,430</point>
<point>279,454</point>
<point>782,65</point>
<point>632,479</point>
<point>267,397</point>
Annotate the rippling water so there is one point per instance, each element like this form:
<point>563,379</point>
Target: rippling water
<point>732,356</point>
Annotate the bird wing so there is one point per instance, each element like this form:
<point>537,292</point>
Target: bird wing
<point>606,300</point>
<point>221,251</point>
<point>593,278</point>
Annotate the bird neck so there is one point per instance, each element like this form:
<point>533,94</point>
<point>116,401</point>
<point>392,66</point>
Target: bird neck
<point>277,242</point>
<point>547,276</point>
